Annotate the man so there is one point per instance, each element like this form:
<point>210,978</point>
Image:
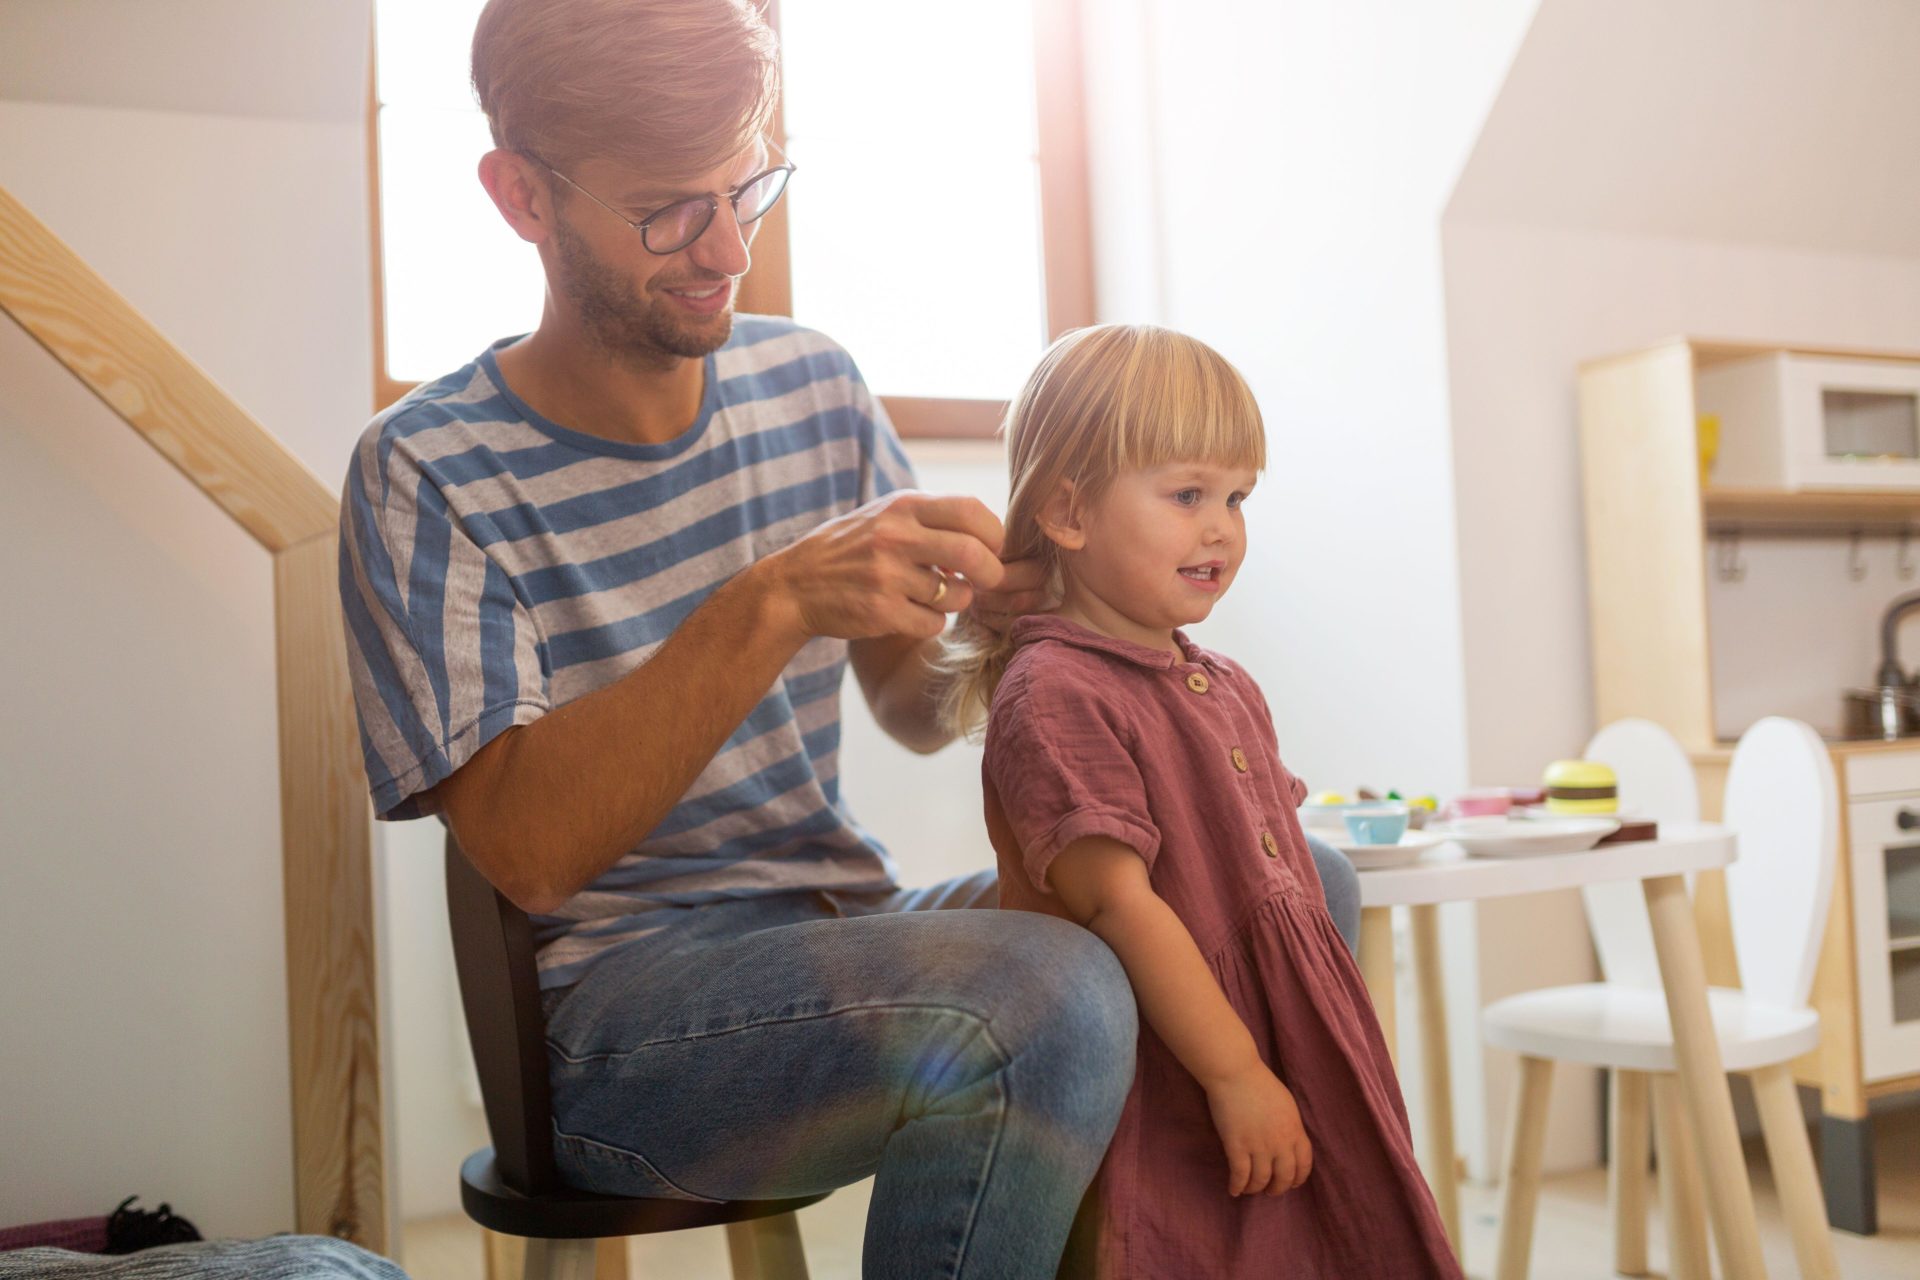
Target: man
<point>601,586</point>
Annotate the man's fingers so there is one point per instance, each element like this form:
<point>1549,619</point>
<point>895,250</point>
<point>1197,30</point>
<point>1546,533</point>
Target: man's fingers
<point>962,515</point>
<point>956,551</point>
<point>1024,575</point>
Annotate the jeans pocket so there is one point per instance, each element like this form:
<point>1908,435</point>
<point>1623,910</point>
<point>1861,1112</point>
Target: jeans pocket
<point>611,1170</point>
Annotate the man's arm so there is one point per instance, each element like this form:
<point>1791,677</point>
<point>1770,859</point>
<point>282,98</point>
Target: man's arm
<point>546,807</point>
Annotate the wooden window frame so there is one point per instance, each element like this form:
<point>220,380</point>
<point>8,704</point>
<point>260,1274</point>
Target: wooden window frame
<point>1066,228</point>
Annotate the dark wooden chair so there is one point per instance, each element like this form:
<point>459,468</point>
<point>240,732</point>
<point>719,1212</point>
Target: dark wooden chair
<point>513,1187</point>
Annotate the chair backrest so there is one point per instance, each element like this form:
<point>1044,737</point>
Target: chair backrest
<point>500,991</point>
<point>1784,806</point>
<point>1656,781</point>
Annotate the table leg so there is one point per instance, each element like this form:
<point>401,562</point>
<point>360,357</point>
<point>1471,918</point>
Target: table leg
<point>1703,1079</point>
<point>1436,1073</point>
<point>1376,967</point>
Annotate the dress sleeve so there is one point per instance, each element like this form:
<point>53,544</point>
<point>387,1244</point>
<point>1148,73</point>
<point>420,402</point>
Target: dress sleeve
<point>1060,756</point>
<point>444,655</point>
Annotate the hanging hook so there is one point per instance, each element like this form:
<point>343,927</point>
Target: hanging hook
<point>1728,566</point>
<point>1856,566</point>
<point>1906,548</point>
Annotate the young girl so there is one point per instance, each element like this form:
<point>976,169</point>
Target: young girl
<point>1133,784</point>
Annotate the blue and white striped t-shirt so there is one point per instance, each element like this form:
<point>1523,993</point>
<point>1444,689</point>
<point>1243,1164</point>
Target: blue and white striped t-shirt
<point>495,565</point>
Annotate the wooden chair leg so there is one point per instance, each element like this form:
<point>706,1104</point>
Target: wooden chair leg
<point>1681,1190</point>
<point>506,1256</point>
<point>1791,1155</point>
<point>559,1260</point>
<point>1629,1130</point>
<point>766,1249</point>
<point>1526,1136</point>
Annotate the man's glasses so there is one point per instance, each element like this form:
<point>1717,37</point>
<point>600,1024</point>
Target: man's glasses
<point>673,228</point>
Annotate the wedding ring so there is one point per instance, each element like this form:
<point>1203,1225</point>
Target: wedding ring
<point>939,592</point>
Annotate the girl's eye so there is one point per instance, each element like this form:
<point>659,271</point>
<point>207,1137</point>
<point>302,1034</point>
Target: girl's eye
<point>1236,499</point>
<point>1187,497</point>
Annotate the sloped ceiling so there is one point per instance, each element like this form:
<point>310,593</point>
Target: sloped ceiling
<point>1783,122</point>
<point>295,59</point>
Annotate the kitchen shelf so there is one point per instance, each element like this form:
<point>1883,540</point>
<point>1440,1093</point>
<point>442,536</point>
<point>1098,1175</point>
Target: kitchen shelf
<point>1811,509</point>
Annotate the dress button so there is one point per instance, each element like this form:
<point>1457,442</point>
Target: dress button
<point>1197,682</point>
<point>1239,759</point>
<point>1268,843</point>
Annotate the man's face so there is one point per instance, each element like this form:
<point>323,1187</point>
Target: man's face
<point>636,303</point>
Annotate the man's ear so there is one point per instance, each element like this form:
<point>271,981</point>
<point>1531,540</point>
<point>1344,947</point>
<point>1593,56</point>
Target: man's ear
<point>520,192</point>
<point>1062,520</point>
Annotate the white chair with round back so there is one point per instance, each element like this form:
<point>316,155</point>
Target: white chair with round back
<point>1655,781</point>
<point>1783,806</point>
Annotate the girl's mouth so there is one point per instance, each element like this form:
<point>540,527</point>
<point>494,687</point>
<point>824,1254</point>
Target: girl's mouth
<point>1204,576</point>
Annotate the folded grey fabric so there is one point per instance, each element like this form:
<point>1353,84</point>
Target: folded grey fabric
<point>275,1258</point>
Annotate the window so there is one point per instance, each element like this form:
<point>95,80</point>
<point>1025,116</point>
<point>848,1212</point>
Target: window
<point>938,226</point>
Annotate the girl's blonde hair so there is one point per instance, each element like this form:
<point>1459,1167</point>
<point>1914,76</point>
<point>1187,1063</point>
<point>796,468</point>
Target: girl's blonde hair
<point>1102,401</point>
<point>673,88</point>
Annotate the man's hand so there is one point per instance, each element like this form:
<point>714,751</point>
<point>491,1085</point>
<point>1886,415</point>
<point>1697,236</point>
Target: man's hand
<point>875,571</point>
<point>1022,590</point>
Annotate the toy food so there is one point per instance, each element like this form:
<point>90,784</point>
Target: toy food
<point>1581,786</point>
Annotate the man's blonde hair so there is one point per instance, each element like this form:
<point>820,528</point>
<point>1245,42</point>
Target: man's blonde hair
<point>1102,401</point>
<point>674,88</point>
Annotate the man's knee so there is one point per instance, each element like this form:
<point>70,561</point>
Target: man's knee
<point>1086,1027</point>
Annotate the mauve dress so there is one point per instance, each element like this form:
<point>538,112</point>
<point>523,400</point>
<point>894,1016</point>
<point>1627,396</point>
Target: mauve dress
<point>1092,735</point>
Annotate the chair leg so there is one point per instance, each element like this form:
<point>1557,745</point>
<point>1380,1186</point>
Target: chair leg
<point>559,1260</point>
<point>1627,1170</point>
<point>766,1249</point>
<point>1526,1135</point>
<point>1791,1156</point>
<point>1681,1190</point>
<point>506,1255</point>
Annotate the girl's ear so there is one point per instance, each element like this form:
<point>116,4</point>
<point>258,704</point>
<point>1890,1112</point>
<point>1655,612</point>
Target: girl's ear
<point>1061,518</point>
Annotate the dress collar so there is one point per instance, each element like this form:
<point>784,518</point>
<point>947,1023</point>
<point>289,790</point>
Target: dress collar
<point>1048,626</point>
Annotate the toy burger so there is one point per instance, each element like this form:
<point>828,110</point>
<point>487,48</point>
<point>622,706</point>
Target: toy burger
<point>1581,787</point>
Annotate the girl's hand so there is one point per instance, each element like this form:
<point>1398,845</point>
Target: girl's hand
<point>1260,1131</point>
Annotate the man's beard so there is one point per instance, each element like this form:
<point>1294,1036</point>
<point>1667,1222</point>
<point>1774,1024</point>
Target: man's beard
<point>619,319</point>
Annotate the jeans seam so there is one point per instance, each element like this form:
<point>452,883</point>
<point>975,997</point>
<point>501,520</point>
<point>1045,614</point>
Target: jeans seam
<point>1001,1086</point>
<point>561,1053</point>
<point>632,1157</point>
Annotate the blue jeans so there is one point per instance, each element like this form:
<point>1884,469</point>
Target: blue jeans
<point>974,1061</point>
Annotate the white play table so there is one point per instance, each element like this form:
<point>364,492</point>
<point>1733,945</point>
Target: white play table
<point>1447,874</point>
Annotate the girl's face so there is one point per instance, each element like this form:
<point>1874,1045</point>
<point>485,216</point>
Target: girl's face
<point>1156,551</point>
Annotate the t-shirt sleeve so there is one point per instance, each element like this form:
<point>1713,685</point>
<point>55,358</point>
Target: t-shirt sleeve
<point>884,464</point>
<point>1061,759</point>
<point>443,654</point>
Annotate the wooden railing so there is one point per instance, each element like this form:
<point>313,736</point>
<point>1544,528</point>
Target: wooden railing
<point>340,1168</point>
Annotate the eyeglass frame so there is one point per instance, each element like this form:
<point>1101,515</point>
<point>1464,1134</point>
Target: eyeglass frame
<point>711,199</point>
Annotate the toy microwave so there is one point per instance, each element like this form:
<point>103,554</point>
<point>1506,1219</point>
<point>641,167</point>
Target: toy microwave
<point>1791,421</point>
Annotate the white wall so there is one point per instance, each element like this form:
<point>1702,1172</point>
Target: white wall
<point>1721,169</point>
<point>140,906</point>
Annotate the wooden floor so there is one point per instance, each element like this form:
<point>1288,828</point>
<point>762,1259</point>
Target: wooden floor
<point>1571,1240</point>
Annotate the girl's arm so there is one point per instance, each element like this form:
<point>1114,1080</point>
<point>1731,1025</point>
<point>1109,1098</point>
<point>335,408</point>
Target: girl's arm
<point>1103,884</point>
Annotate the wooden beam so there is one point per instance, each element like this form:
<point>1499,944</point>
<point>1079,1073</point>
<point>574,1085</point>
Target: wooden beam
<point>339,1143</point>
<point>123,359</point>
